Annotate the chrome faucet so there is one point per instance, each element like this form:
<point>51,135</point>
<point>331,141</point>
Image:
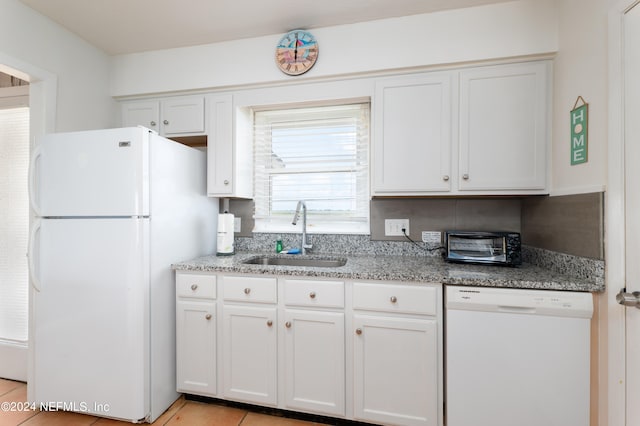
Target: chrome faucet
<point>304,246</point>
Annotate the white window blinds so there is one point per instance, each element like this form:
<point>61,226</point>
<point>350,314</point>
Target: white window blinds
<point>319,155</point>
<point>14,227</point>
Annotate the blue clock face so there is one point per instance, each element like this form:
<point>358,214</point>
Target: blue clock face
<point>296,52</point>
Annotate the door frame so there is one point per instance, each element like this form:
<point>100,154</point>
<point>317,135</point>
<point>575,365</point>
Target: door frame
<point>613,396</point>
<point>43,89</point>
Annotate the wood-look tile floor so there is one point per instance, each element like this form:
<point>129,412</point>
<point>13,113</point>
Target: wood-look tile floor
<point>182,412</point>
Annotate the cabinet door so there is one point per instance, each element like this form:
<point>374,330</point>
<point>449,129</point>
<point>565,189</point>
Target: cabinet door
<point>314,361</point>
<point>196,347</point>
<point>250,350</point>
<point>396,366</point>
<point>412,138</point>
<point>503,127</point>
<point>183,115</point>
<point>145,114</point>
<point>220,165</point>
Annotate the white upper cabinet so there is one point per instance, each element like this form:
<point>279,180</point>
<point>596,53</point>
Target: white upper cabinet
<point>229,150</point>
<point>145,114</point>
<point>504,129</point>
<point>412,134</point>
<point>175,116</point>
<point>480,130</point>
<point>182,115</point>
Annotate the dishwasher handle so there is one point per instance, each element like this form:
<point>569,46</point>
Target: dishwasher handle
<point>516,309</point>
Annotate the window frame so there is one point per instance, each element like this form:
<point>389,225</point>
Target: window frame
<point>359,223</point>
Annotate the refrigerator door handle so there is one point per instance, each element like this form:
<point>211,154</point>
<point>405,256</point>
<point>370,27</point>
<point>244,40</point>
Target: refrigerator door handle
<point>37,153</point>
<point>35,280</point>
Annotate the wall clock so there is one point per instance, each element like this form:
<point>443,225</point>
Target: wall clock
<point>297,52</point>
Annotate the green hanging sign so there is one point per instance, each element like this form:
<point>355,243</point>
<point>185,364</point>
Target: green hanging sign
<point>579,119</point>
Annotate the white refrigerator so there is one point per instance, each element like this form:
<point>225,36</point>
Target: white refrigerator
<point>114,209</point>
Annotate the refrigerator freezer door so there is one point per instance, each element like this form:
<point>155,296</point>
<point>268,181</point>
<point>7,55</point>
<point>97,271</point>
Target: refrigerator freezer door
<point>91,344</point>
<point>92,173</point>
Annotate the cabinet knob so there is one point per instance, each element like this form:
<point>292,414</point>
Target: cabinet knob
<point>393,299</point>
<point>287,324</point>
<point>269,323</point>
<point>312,295</point>
<point>153,124</point>
<point>465,176</point>
<point>194,287</point>
<point>358,331</point>
<point>247,290</point>
<point>165,122</point>
<point>445,178</point>
<point>226,182</point>
<point>208,316</point>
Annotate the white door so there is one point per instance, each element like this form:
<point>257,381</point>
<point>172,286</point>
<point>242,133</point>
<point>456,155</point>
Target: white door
<point>92,173</point>
<point>632,196</point>
<point>314,361</point>
<point>196,347</point>
<point>395,370</point>
<point>220,159</point>
<point>89,325</point>
<point>412,144</point>
<point>183,115</point>
<point>250,354</point>
<point>145,114</point>
<point>503,127</point>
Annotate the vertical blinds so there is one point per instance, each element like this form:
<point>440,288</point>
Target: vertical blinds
<point>319,155</point>
<point>14,227</point>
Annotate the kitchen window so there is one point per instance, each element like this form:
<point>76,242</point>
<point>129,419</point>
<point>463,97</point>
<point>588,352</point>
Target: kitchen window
<point>317,154</point>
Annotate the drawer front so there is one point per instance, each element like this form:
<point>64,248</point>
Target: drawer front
<point>195,285</point>
<point>249,289</point>
<point>327,294</point>
<point>395,298</point>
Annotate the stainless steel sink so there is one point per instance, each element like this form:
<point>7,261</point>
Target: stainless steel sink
<point>332,262</point>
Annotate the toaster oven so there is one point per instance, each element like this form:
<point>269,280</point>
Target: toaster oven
<point>494,248</point>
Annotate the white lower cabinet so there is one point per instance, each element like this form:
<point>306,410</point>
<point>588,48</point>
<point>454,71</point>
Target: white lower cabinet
<point>314,346</point>
<point>314,362</point>
<point>250,354</point>
<point>396,370</point>
<point>368,351</point>
<point>196,340</point>
<point>397,354</point>
<point>249,342</point>
<point>196,324</point>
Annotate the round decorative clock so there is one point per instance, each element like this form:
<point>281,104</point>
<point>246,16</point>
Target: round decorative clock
<point>297,52</point>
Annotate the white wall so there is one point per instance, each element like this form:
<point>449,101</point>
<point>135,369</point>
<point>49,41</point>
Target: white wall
<point>502,30</point>
<point>69,90</point>
<point>30,41</point>
<point>581,70</point>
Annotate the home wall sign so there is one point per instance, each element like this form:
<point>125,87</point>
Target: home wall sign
<point>579,120</point>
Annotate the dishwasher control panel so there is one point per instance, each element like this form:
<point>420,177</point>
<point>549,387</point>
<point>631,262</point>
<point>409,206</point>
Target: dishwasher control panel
<point>524,301</point>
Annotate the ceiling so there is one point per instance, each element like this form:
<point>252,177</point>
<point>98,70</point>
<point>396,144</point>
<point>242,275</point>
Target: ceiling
<point>130,26</point>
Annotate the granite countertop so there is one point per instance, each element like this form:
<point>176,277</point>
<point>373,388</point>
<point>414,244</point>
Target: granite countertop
<point>416,269</point>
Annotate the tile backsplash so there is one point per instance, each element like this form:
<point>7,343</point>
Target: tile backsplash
<point>439,214</point>
<point>571,224</point>
<point>338,244</point>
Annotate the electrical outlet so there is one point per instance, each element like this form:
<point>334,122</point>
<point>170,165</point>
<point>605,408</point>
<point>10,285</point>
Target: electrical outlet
<point>394,227</point>
<point>431,237</point>
<point>237,224</point>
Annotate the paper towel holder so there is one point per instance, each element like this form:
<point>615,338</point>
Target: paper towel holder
<point>225,242</point>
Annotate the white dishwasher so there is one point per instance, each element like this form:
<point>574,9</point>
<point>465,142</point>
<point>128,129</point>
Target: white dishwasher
<point>516,357</point>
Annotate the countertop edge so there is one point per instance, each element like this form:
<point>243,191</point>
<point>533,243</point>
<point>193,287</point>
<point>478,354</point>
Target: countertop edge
<point>412,269</point>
